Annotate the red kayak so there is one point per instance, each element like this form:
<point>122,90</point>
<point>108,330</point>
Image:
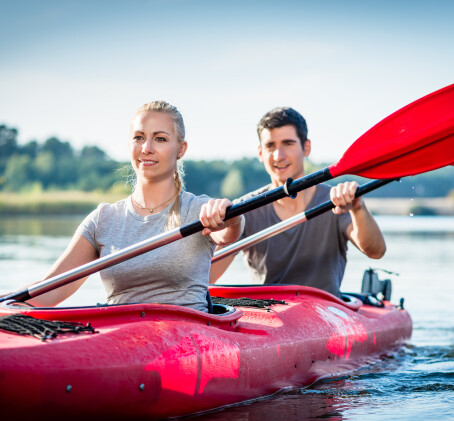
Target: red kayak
<point>150,361</point>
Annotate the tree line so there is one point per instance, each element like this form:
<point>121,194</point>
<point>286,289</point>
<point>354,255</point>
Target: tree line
<point>55,165</point>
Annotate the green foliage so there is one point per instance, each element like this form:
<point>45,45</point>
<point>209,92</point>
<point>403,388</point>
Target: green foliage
<point>203,177</point>
<point>18,171</point>
<point>232,184</point>
<point>225,179</point>
<point>8,145</point>
<point>55,166</point>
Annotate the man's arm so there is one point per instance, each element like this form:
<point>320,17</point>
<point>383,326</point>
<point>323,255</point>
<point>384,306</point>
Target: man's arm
<point>363,232</point>
<point>218,268</point>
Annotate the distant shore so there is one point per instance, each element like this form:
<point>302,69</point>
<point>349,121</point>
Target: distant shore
<point>408,206</point>
<point>54,202</point>
<point>81,203</point>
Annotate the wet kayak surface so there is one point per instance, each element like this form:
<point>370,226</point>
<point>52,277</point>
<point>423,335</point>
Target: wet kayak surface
<point>417,382</point>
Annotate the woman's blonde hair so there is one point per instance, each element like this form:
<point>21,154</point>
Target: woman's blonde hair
<point>174,219</point>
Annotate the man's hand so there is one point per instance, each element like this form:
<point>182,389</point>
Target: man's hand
<point>343,197</point>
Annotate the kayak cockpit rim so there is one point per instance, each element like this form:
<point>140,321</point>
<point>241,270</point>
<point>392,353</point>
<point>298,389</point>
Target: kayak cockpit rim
<point>219,310</point>
<point>284,290</point>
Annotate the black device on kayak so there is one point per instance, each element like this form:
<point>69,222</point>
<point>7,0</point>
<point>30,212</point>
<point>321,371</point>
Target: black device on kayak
<point>379,288</point>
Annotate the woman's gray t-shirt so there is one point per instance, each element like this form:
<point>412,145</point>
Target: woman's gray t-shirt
<point>176,273</point>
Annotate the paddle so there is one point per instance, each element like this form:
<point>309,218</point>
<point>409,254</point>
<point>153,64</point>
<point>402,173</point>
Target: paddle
<point>291,222</point>
<point>415,139</point>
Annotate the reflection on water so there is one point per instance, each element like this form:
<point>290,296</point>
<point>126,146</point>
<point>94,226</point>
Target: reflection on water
<point>49,226</point>
<point>291,405</point>
<point>415,383</point>
<point>28,248</point>
<point>412,384</point>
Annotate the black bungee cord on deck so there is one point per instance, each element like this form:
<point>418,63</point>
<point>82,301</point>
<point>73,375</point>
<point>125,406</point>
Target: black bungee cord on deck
<point>39,328</point>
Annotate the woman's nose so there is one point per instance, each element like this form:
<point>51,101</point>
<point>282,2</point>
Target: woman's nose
<point>148,146</point>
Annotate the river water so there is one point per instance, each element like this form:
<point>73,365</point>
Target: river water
<point>417,382</point>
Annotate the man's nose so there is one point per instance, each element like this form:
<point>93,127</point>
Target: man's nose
<point>278,153</point>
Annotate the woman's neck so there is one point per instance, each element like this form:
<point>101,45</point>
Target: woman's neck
<point>150,195</point>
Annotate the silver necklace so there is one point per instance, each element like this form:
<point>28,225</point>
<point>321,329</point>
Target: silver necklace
<point>151,210</point>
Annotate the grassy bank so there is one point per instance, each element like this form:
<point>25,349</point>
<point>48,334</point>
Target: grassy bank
<point>54,202</point>
<point>81,203</point>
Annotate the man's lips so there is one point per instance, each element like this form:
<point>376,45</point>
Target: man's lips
<point>281,167</point>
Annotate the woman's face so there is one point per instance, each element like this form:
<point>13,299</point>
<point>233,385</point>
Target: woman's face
<point>153,146</point>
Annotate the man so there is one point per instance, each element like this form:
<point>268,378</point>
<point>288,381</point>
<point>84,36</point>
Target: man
<point>312,253</point>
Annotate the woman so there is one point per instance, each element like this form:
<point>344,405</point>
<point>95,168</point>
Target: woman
<point>176,273</point>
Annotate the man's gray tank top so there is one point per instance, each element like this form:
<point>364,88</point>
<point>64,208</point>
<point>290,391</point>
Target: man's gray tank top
<point>176,273</point>
<point>313,253</point>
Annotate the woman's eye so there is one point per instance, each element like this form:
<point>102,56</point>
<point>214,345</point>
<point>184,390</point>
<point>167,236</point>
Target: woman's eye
<point>161,139</point>
<point>137,138</point>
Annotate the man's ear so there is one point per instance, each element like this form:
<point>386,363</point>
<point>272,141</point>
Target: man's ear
<point>260,153</point>
<point>307,148</point>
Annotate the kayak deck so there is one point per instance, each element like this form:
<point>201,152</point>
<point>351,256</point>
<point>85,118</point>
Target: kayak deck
<point>158,361</point>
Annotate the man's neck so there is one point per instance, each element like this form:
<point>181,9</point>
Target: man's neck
<point>287,207</point>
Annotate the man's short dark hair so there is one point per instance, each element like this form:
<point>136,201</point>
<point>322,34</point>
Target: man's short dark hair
<point>284,116</point>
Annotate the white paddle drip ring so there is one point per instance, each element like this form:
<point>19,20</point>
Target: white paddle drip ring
<point>286,186</point>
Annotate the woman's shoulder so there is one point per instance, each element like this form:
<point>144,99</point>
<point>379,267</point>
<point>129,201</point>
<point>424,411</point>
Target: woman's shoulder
<point>113,207</point>
<point>190,204</point>
<point>190,199</point>
<point>105,210</point>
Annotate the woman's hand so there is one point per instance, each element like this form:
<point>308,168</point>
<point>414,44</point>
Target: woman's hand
<point>212,216</point>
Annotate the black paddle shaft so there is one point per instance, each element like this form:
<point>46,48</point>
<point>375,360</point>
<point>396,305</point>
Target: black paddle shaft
<point>291,188</point>
<point>365,188</point>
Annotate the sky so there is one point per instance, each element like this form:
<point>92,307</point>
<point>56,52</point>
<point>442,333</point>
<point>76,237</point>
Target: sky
<point>78,70</point>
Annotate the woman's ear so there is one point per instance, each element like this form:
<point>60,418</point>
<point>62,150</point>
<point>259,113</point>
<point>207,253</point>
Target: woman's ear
<point>183,148</point>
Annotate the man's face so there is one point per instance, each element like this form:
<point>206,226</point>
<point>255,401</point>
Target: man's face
<point>282,154</point>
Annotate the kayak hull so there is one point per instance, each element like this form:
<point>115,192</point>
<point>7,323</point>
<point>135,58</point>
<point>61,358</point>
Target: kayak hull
<point>157,361</point>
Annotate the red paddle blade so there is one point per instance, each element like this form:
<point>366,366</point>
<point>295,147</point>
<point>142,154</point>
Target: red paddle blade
<point>417,138</point>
